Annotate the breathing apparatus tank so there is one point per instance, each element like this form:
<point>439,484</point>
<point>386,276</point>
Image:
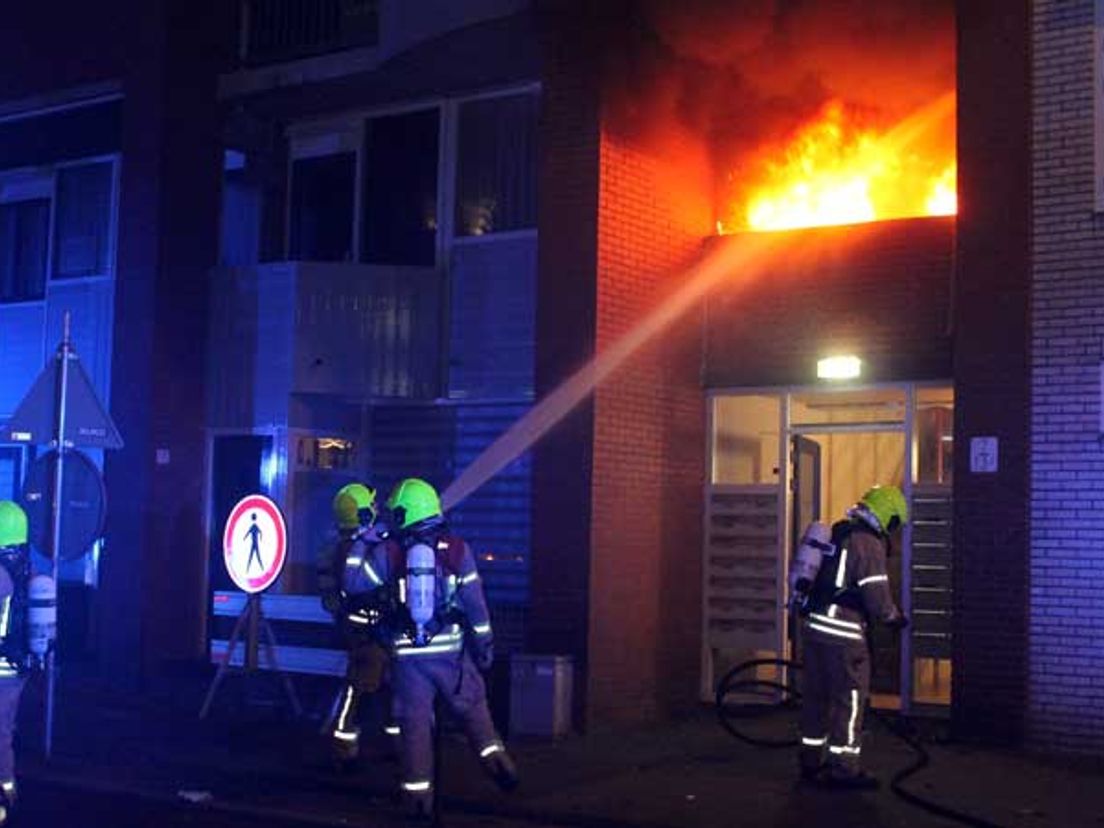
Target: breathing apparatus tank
<point>816,543</point>
<point>42,615</point>
<point>421,583</point>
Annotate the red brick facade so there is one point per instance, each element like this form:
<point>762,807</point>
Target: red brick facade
<point>617,485</point>
<point>649,441</point>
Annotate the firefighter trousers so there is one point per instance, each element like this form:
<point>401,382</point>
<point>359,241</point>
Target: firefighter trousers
<point>835,689</point>
<point>363,676</point>
<point>417,682</point>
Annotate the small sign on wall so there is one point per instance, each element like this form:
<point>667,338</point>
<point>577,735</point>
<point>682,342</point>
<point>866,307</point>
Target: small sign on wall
<point>983,454</point>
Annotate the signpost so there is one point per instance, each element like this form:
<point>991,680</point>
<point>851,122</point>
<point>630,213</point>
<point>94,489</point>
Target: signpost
<point>254,550</point>
<point>63,412</point>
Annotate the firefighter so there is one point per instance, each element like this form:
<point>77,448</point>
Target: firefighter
<point>441,639</point>
<point>850,592</point>
<point>344,592</point>
<point>15,656</point>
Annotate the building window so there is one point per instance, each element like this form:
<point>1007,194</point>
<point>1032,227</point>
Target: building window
<point>24,246</point>
<point>82,234</point>
<point>400,188</point>
<point>322,207</point>
<point>496,165</point>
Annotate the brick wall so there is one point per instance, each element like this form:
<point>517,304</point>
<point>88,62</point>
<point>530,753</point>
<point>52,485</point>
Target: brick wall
<point>1067,538</point>
<point>992,393</point>
<point>881,291</point>
<point>565,312</point>
<point>645,570</point>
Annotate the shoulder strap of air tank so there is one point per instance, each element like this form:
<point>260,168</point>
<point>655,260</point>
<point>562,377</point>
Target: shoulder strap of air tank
<point>450,552</point>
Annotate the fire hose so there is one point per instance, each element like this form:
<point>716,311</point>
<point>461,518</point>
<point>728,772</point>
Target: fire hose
<point>789,698</point>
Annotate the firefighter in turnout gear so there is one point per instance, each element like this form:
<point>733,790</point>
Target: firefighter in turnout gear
<point>849,593</point>
<point>440,633</point>
<point>16,657</point>
<point>347,594</point>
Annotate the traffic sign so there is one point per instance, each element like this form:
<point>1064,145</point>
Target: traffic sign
<point>254,543</point>
<point>88,423</point>
<point>83,501</point>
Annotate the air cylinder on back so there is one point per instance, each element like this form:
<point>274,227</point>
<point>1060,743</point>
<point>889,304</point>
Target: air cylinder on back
<point>421,582</point>
<point>816,542</point>
<point>42,614</point>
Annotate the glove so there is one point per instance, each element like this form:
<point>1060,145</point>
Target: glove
<point>484,656</point>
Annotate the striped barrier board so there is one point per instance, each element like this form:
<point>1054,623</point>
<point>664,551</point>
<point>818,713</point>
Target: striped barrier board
<point>306,639</point>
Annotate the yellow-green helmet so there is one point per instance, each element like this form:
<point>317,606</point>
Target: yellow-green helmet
<point>354,505</point>
<point>887,505</point>
<point>412,501</point>
<point>13,524</point>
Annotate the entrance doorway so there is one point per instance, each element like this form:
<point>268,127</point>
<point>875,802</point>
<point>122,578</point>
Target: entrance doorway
<point>780,458</point>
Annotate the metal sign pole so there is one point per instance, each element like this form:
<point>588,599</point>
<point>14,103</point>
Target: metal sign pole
<point>62,392</point>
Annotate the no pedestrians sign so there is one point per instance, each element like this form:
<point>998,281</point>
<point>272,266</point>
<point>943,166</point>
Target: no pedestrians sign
<point>254,543</point>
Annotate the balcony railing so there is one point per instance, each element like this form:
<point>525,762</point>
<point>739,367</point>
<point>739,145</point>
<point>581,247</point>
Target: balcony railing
<point>351,331</point>
<point>271,31</point>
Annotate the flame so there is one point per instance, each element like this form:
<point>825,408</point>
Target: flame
<point>833,170</point>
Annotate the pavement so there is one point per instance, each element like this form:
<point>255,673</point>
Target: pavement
<point>250,757</point>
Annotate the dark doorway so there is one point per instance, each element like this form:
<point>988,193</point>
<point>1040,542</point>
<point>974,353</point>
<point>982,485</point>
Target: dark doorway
<point>236,471</point>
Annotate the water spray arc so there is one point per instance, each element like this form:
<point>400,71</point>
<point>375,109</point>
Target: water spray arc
<point>741,260</point>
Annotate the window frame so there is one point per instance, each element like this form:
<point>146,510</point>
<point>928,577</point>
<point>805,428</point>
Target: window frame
<point>112,222</point>
<point>26,183</point>
<point>345,133</point>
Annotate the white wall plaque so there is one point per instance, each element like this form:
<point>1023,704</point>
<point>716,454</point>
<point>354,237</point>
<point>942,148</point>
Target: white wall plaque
<point>983,454</point>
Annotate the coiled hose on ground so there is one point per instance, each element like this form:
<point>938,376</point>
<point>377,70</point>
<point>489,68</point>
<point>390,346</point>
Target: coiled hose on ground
<point>786,696</point>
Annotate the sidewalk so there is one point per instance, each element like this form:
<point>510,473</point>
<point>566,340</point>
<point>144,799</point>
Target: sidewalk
<point>689,774</point>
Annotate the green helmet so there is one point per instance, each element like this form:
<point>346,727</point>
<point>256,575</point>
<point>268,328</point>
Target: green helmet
<point>887,505</point>
<point>13,524</point>
<point>351,503</point>
<point>412,501</point>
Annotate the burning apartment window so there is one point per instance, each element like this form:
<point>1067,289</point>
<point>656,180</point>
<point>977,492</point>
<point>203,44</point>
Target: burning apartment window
<point>497,165</point>
<point>322,208</point>
<point>24,233</point>
<point>82,234</point>
<point>400,188</point>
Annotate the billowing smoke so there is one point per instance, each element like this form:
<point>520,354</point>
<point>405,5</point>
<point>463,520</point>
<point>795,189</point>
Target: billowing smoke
<point>746,73</point>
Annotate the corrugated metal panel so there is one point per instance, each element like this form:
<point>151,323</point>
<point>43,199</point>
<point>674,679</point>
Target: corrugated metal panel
<point>252,311</point>
<point>492,319</point>
<point>370,330</point>
<point>437,443</point>
<point>496,518</point>
<point>349,331</point>
<point>21,352</point>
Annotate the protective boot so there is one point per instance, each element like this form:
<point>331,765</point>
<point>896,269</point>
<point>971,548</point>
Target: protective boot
<point>501,768</point>
<point>345,748</point>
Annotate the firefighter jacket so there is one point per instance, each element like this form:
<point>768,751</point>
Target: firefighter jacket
<point>852,587</point>
<point>14,579</point>
<point>344,584</point>
<point>461,618</point>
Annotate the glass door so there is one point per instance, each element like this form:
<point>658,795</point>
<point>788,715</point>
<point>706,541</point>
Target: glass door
<point>782,458</point>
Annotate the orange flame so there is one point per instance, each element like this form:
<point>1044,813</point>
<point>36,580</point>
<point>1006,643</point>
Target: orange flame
<point>835,171</point>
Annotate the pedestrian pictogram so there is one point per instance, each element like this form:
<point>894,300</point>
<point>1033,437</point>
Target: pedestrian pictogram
<point>254,547</point>
<point>254,543</point>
